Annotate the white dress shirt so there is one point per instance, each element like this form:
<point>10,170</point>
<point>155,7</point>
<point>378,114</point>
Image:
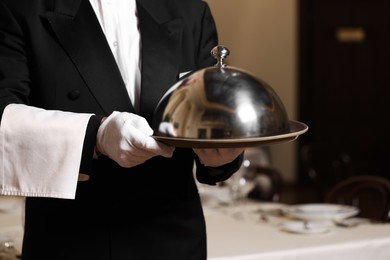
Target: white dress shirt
<point>118,19</point>
<point>40,150</point>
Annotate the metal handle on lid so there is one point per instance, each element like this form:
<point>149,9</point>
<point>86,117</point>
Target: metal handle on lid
<point>220,53</point>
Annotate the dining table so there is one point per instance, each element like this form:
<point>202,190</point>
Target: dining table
<point>11,226</point>
<point>252,230</point>
<point>260,230</point>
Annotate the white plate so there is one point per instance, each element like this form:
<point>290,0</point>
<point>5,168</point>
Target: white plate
<point>300,227</point>
<point>321,211</point>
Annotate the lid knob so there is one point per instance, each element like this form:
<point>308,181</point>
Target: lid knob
<point>220,53</point>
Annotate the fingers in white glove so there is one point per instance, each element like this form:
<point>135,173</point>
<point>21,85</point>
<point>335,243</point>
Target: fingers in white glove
<point>126,139</point>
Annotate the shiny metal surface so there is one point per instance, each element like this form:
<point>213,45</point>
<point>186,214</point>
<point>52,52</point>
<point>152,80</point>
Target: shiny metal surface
<point>220,102</point>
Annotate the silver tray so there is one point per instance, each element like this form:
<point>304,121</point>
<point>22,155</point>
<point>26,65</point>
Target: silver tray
<point>296,129</point>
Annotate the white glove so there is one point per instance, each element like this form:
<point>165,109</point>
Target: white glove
<point>126,139</point>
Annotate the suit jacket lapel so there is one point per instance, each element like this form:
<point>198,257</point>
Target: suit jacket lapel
<point>160,39</point>
<point>78,30</point>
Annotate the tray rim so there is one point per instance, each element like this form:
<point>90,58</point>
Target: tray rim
<point>296,128</point>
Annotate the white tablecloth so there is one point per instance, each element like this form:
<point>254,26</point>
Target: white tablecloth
<point>250,238</point>
<point>11,220</point>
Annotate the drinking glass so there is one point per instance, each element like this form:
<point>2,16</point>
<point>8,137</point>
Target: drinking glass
<point>240,184</point>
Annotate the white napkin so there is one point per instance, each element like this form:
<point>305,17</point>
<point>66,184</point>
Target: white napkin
<point>40,151</point>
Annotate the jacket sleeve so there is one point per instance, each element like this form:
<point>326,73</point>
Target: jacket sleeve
<point>14,72</point>
<point>208,38</point>
<point>88,152</point>
<point>40,150</point>
<point>212,175</point>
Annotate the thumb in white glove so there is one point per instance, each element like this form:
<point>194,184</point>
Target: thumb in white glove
<point>126,139</point>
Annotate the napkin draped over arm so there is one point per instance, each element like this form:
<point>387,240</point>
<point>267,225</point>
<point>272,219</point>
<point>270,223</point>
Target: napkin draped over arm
<point>40,151</point>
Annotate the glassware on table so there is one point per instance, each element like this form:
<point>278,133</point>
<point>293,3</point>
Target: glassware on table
<point>240,184</point>
<point>244,180</point>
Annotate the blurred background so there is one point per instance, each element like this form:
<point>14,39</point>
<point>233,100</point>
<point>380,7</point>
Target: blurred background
<point>328,60</point>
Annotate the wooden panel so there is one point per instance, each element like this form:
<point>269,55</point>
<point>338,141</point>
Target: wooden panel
<point>344,78</point>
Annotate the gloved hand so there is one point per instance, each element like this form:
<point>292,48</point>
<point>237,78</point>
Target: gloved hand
<point>217,157</point>
<point>126,139</point>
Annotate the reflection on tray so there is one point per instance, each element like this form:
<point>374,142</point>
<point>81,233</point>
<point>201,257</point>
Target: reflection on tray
<point>296,129</point>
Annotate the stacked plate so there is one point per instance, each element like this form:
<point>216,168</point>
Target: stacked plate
<point>316,217</point>
<point>321,211</point>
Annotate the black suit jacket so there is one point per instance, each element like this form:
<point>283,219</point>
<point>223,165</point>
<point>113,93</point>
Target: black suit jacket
<point>54,55</point>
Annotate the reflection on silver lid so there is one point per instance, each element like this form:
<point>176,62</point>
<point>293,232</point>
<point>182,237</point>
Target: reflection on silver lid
<point>220,102</point>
